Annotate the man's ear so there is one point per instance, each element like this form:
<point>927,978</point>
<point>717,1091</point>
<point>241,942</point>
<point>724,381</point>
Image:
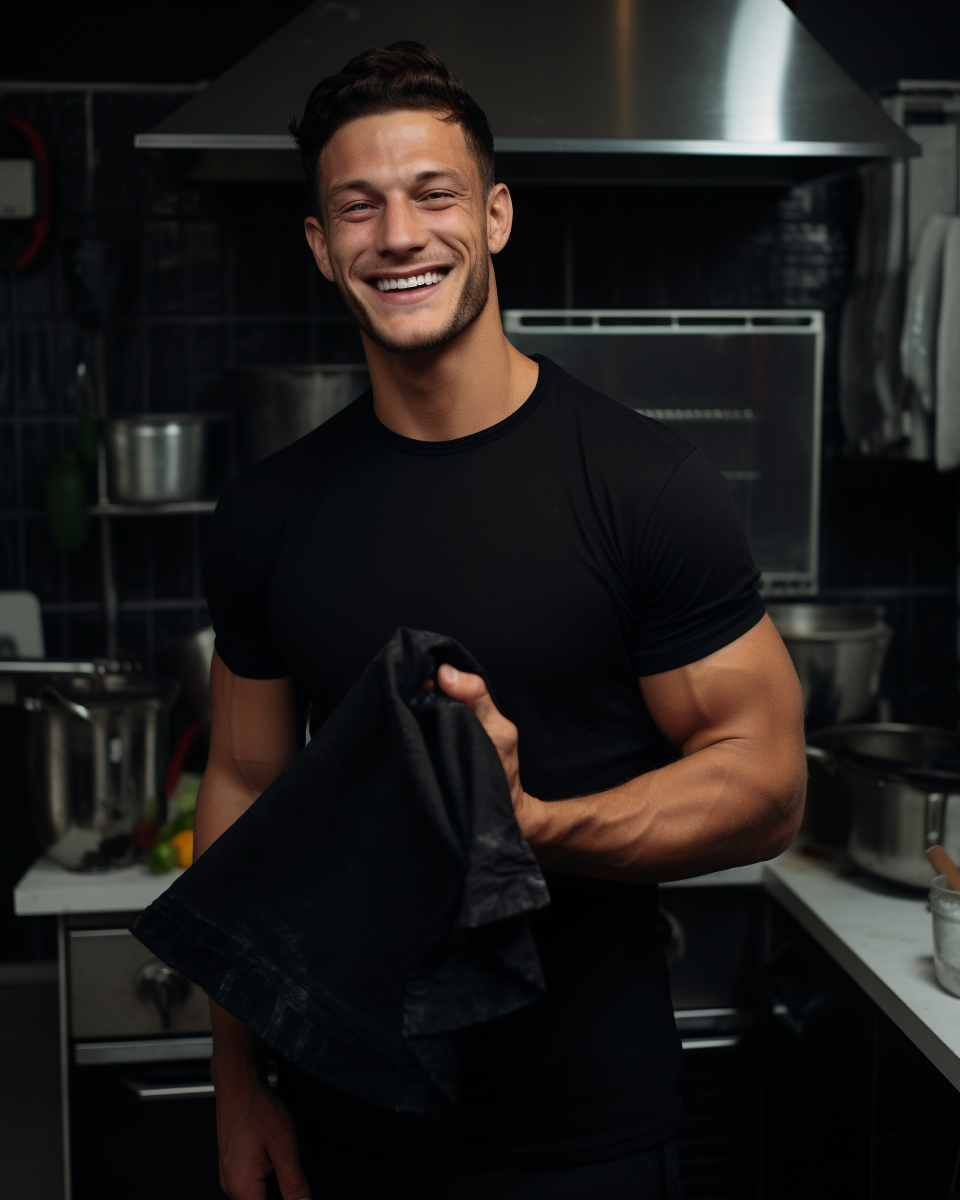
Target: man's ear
<point>499,217</point>
<point>318,244</point>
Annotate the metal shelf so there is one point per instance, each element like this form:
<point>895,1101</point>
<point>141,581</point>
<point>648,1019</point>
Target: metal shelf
<point>176,508</point>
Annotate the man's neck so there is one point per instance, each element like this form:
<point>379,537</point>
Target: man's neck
<point>467,385</point>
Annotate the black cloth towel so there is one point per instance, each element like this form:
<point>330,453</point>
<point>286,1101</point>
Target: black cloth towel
<point>375,898</point>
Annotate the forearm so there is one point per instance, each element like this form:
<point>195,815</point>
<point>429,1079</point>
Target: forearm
<point>719,807</point>
<point>230,784</point>
<point>238,1059</point>
<point>223,797</point>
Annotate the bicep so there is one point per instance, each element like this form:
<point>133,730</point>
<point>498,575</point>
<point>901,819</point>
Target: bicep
<point>257,728</point>
<point>257,725</point>
<point>745,691</point>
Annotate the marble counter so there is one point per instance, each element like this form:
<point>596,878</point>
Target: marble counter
<point>48,889</point>
<point>882,936</point>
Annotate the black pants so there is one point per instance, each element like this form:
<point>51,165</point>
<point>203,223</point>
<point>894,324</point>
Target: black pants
<point>373,1176</point>
<point>348,1153</point>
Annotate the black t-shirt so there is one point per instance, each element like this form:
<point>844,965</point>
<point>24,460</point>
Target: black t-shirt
<point>570,548</point>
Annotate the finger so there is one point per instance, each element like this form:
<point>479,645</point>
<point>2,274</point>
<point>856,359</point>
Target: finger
<point>292,1181</point>
<point>290,1177</point>
<point>466,687</point>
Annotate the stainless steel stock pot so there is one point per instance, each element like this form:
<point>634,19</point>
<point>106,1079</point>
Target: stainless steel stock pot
<point>98,750</point>
<point>904,782</point>
<point>838,651</point>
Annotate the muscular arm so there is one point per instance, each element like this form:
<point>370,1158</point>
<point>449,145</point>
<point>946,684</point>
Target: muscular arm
<point>735,796</point>
<point>257,729</point>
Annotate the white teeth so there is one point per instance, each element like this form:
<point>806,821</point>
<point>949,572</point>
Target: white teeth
<point>391,285</point>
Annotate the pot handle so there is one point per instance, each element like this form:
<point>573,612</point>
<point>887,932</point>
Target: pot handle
<point>78,710</point>
<point>822,758</point>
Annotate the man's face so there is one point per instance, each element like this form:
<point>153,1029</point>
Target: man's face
<point>407,230</point>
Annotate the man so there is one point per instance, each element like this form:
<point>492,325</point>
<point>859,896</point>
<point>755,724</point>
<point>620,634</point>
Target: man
<point>591,560</point>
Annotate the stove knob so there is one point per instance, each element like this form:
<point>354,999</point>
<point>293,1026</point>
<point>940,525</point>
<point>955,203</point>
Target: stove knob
<point>162,989</point>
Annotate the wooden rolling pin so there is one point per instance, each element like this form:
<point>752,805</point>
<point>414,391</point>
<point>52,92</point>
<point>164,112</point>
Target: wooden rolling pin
<point>945,865</point>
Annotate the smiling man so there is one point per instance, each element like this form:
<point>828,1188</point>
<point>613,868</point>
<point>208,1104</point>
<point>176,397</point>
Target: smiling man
<point>649,721</point>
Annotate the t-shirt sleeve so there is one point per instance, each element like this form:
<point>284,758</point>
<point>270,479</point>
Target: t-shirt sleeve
<point>236,571</point>
<point>696,579</point>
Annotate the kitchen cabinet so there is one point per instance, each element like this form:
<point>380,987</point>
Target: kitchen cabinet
<point>817,1085</point>
<point>851,1108</point>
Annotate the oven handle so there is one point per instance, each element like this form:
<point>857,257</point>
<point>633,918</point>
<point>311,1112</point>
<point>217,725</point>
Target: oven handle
<point>145,1090</point>
<point>168,1091</point>
<point>711,1043</point>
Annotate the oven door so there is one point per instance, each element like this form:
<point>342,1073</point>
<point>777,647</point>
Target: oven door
<point>141,1104</point>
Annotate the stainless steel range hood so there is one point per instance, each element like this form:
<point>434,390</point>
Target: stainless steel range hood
<point>660,91</point>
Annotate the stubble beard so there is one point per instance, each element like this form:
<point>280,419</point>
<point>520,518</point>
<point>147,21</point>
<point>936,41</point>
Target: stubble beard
<point>473,299</point>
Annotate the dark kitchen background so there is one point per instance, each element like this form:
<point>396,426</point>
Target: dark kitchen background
<point>211,275</point>
<point>202,276</point>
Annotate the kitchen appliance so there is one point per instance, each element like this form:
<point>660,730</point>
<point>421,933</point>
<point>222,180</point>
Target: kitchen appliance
<point>712,938</point>
<point>904,784</point>
<point>21,625</point>
<point>277,405</point>
<point>744,385</point>
<point>187,660</point>
<point>98,744</point>
<point>838,651</point>
<point>137,1046</point>
<point>623,90</point>
<point>156,459</point>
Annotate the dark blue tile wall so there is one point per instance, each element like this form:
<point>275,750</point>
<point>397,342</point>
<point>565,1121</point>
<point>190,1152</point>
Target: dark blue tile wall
<point>213,275</point>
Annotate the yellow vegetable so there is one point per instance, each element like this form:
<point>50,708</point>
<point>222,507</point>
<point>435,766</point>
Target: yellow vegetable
<point>183,844</point>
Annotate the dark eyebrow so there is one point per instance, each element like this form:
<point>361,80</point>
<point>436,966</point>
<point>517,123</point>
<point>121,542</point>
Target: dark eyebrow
<point>449,173</point>
<point>352,185</point>
<point>363,185</point>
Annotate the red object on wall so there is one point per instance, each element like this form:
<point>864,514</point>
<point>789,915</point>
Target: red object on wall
<point>40,226</point>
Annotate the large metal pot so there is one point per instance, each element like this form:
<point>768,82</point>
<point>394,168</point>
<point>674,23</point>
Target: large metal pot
<point>98,760</point>
<point>277,405</point>
<point>904,784</point>
<point>158,459</point>
<point>838,651</point>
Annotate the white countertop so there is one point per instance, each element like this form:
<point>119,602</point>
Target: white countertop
<point>48,888</point>
<point>883,938</point>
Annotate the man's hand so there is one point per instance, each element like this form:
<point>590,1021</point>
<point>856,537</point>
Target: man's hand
<point>256,1136</point>
<point>472,691</point>
<point>735,796</point>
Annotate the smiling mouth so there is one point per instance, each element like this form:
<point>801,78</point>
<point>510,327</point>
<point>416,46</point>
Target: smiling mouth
<point>408,282</point>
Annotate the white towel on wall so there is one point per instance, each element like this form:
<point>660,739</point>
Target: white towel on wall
<point>948,354</point>
<point>918,342</point>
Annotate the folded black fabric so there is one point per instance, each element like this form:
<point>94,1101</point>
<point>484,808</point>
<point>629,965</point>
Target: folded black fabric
<point>374,899</point>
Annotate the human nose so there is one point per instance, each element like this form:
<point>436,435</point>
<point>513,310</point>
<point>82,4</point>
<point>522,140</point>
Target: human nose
<point>399,232</point>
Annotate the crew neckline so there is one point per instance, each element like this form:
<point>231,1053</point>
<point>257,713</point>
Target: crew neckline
<point>472,440</point>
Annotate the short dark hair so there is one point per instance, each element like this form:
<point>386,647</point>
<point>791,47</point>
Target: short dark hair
<point>404,75</point>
